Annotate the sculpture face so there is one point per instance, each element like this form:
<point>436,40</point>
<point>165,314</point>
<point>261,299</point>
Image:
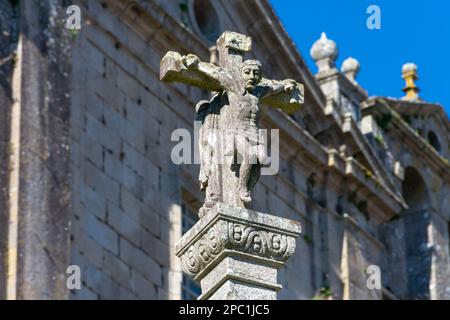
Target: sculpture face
<point>251,73</point>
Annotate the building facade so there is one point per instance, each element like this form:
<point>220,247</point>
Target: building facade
<point>87,178</point>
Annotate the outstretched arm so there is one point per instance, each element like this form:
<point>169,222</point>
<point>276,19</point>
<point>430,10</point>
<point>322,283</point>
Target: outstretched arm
<point>286,94</point>
<point>190,70</point>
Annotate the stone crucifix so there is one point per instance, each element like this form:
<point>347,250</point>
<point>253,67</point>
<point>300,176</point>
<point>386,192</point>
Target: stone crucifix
<point>230,119</point>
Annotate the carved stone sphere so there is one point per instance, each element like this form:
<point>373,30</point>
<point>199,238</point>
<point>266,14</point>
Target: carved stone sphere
<point>409,67</point>
<point>324,48</point>
<point>350,65</point>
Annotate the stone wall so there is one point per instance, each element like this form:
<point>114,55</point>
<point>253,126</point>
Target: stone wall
<point>44,192</point>
<point>9,24</point>
<point>126,189</point>
<point>34,149</point>
<point>417,242</point>
<point>97,95</point>
<point>127,192</point>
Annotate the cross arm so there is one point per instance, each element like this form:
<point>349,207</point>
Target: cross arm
<point>286,94</point>
<point>189,70</point>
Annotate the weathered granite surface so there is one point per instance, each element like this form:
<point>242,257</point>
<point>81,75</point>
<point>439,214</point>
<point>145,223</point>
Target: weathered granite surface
<point>231,116</point>
<point>9,24</point>
<point>235,252</point>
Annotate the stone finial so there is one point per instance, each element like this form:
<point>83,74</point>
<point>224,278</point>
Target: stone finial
<point>324,52</point>
<point>409,73</point>
<point>350,67</point>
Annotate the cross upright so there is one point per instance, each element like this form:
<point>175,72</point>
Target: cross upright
<point>233,112</point>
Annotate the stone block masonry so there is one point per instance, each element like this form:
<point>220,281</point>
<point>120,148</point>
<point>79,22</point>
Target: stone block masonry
<point>118,235</point>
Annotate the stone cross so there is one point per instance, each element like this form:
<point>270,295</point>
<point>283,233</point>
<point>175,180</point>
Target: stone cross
<point>232,116</point>
<point>234,253</point>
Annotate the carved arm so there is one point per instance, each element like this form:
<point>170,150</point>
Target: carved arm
<point>286,94</point>
<point>190,70</point>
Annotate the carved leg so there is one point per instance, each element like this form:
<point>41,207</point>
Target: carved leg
<point>245,170</point>
<point>244,177</point>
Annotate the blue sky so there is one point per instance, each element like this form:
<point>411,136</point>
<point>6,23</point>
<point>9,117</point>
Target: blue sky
<point>411,31</point>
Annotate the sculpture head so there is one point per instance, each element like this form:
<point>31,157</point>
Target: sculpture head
<point>251,73</point>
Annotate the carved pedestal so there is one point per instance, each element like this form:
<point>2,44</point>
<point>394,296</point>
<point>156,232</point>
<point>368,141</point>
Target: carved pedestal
<point>235,253</point>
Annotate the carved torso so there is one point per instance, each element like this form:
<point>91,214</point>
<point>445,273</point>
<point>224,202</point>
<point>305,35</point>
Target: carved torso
<point>245,113</point>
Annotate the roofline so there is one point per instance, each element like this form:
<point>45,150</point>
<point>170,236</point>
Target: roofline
<point>376,105</point>
<point>350,127</point>
<point>421,107</point>
<point>345,167</point>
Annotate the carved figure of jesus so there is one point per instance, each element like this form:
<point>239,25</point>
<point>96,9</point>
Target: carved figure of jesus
<point>234,110</point>
<point>242,136</point>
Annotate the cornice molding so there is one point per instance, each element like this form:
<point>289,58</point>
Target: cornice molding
<point>416,143</point>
